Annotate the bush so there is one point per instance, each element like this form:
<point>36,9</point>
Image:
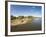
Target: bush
<point>12,17</point>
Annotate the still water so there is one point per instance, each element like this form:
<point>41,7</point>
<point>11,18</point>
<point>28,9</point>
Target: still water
<point>35,25</point>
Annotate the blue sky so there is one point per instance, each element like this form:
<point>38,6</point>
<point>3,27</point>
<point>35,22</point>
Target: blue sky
<point>25,10</point>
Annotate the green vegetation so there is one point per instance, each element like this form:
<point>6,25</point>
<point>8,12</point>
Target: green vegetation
<point>20,17</point>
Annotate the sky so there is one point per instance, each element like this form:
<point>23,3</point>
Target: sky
<point>25,10</point>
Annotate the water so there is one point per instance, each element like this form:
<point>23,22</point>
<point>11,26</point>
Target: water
<point>35,25</point>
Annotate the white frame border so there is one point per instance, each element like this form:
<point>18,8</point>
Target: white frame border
<point>25,32</point>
